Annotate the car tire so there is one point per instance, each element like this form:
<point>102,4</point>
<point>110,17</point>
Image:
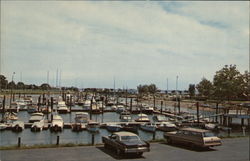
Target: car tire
<point>106,146</point>
<point>169,141</point>
<point>139,154</point>
<point>118,151</point>
<point>193,146</point>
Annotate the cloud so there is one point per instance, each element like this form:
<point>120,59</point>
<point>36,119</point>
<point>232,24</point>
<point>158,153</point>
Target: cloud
<point>136,42</point>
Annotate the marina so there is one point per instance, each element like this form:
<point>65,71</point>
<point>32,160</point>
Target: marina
<point>79,125</point>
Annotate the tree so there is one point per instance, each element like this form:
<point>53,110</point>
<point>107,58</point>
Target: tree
<point>205,88</point>
<point>20,85</point>
<point>11,85</point>
<point>191,90</point>
<point>228,83</point>
<point>152,88</point>
<point>142,89</point>
<point>3,82</point>
<point>45,86</point>
<point>246,85</point>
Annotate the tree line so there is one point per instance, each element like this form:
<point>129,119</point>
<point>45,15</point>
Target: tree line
<point>5,84</point>
<point>228,84</point>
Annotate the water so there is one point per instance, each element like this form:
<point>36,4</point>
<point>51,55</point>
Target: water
<point>66,136</point>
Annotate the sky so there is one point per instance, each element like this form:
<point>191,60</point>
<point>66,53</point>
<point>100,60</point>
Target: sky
<point>97,43</point>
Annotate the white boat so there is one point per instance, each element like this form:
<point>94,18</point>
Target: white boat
<point>62,108</point>
<point>95,109</point>
<point>120,108</point>
<point>81,119</point>
<point>93,126</point>
<point>21,104</point>
<point>113,107</point>
<point>87,104</point>
<point>147,109</point>
<point>210,126</point>
<point>3,126</point>
<point>142,118</point>
<point>57,123</point>
<point>150,127</point>
<point>36,117</point>
<point>10,116</point>
<point>17,126</point>
<point>167,126</point>
<point>125,116</point>
<point>113,127</point>
<point>37,126</point>
<point>159,118</point>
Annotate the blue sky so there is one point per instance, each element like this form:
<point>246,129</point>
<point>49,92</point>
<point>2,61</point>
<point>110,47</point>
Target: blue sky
<point>143,42</point>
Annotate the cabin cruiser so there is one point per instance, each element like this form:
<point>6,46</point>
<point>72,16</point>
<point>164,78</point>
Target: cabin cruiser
<point>150,127</point>
<point>62,108</point>
<point>81,119</point>
<point>147,109</point>
<point>142,118</point>
<point>3,126</point>
<point>17,126</point>
<point>167,126</point>
<point>125,116</point>
<point>36,117</point>
<point>95,109</point>
<point>93,126</point>
<point>87,104</point>
<point>120,108</point>
<point>159,118</point>
<point>32,108</point>
<point>57,123</point>
<point>113,127</point>
<point>37,126</point>
<point>10,116</point>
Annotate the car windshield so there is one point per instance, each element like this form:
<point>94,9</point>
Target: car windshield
<point>129,138</point>
<point>208,134</point>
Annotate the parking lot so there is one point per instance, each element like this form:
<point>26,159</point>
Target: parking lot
<point>236,149</point>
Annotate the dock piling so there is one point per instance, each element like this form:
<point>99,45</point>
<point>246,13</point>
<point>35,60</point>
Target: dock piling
<point>197,106</point>
<point>19,142</point>
<point>57,140</point>
<point>93,139</point>
<point>154,135</point>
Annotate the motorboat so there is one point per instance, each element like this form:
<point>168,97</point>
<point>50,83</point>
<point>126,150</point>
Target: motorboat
<point>159,118</point>
<point>87,104</point>
<point>46,110</point>
<point>3,126</point>
<point>36,117</point>
<point>120,108</point>
<point>167,126</point>
<point>211,126</point>
<point>10,116</point>
<point>81,119</point>
<point>113,127</point>
<point>62,108</point>
<point>93,126</point>
<point>125,116</point>
<point>142,118</point>
<point>17,126</point>
<point>150,127</point>
<point>147,109</point>
<point>32,108</point>
<point>57,123</point>
<point>37,126</point>
<point>95,109</point>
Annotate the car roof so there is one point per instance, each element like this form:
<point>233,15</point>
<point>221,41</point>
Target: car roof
<point>194,129</point>
<point>123,133</point>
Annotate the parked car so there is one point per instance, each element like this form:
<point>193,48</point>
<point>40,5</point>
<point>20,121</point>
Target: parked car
<point>126,143</point>
<point>193,137</point>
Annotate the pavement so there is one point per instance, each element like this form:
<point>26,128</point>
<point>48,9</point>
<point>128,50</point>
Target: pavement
<point>235,149</point>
